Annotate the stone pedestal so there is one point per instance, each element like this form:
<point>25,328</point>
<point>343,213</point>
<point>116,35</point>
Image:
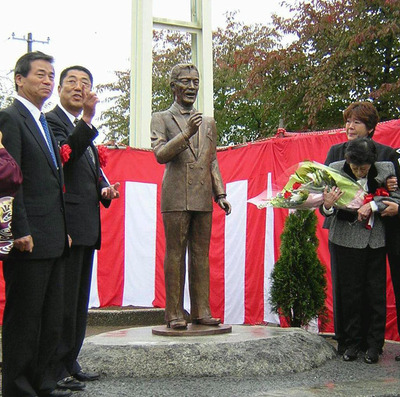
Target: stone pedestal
<point>246,351</point>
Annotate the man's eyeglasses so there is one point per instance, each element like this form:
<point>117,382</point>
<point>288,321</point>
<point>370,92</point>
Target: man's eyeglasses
<point>74,83</point>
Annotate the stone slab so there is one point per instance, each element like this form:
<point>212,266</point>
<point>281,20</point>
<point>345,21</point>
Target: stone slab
<point>247,351</point>
<point>192,330</point>
<point>127,316</point>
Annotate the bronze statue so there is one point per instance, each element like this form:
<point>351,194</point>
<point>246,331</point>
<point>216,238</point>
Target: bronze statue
<point>185,142</point>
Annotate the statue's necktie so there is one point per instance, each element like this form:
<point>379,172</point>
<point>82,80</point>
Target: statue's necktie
<point>43,121</point>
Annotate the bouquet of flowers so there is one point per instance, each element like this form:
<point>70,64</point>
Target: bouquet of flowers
<point>305,187</point>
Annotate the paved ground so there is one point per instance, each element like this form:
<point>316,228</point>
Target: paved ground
<point>333,379</point>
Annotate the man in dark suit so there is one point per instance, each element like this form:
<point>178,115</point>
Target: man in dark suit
<point>186,142</point>
<point>34,270</point>
<point>85,187</point>
<point>360,120</point>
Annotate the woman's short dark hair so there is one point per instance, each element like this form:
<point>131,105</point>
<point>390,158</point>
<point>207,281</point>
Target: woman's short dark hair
<point>23,65</point>
<point>365,112</point>
<point>360,151</point>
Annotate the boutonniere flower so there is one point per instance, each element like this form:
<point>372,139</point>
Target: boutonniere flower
<point>103,155</point>
<point>65,153</point>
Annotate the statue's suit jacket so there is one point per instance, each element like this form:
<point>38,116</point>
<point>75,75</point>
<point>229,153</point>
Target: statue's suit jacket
<point>192,177</point>
<point>83,179</point>
<point>355,234</point>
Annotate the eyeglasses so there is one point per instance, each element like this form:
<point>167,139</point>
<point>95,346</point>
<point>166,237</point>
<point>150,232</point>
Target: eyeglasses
<point>74,83</point>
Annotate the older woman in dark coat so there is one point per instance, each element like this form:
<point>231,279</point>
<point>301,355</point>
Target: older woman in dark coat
<point>359,241</point>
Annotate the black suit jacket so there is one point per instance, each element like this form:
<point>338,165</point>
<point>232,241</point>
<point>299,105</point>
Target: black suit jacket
<point>38,205</point>
<point>83,179</point>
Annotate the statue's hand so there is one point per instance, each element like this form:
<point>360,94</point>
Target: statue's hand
<point>225,205</point>
<point>193,124</point>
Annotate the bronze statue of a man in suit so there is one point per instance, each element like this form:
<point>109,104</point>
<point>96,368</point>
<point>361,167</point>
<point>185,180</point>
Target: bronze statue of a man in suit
<point>185,142</point>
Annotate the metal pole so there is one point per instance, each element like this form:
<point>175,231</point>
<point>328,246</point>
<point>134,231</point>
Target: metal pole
<point>29,41</point>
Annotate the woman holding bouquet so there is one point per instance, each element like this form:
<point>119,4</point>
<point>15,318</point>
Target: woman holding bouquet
<point>358,240</point>
<point>360,120</point>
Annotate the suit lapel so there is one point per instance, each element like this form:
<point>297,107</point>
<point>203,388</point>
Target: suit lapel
<point>70,127</point>
<point>181,122</point>
<point>37,134</point>
<point>204,134</point>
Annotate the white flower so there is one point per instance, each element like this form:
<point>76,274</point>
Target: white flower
<point>296,197</point>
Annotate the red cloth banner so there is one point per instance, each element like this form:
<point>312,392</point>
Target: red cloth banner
<point>128,269</point>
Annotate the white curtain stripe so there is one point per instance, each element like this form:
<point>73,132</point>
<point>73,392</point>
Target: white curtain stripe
<point>140,243</point>
<point>94,300</point>
<point>235,253</point>
<point>269,256</point>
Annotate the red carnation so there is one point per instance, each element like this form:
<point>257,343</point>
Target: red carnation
<point>296,185</point>
<point>65,152</point>
<point>103,154</point>
<point>381,191</point>
<point>287,195</point>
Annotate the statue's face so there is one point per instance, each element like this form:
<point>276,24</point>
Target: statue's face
<point>186,87</point>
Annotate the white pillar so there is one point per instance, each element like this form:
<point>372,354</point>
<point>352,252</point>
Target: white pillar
<point>202,54</point>
<point>141,62</point>
<point>141,73</point>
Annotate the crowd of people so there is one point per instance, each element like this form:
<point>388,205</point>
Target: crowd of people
<point>51,167</point>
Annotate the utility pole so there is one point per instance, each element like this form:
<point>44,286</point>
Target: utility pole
<point>29,40</point>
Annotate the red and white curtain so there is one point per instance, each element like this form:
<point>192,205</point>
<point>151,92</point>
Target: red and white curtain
<point>128,270</point>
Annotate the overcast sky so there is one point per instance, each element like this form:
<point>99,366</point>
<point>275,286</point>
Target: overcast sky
<point>97,33</point>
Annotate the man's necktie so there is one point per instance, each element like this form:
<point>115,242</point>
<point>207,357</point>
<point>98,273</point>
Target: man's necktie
<point>89,149</point>
<point>43,121</point>
<point>91,154</point>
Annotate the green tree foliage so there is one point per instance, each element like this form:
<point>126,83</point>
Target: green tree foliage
<point>115,120</point>
<point>338,51</point>
<point>238,112</point>
<point>238,107</point>
<point>298,289</point>
<point>169,48</point>
<point>343,51</point>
